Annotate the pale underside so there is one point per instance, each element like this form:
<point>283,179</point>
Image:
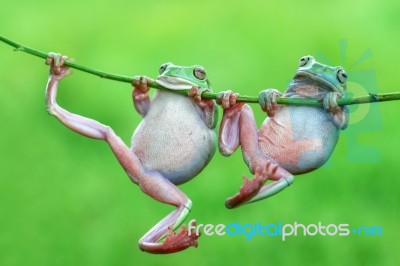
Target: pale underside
<point>172,139</point>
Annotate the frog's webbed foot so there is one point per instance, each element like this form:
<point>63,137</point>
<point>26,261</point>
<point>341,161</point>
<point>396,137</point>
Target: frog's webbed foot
<point>254,189</point>
<point>140,95</point>
<point>249,189</point>
<point>208,107</point>
<point>57,68</point>
<point>154,242</point>
<point>267,100</point>
<point>229,130</point>
<point>177,241</point>
<point>340,114</point>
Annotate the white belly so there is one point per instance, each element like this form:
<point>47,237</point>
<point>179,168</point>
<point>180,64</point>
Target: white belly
<point>299,138</point>
<point>173,139</point>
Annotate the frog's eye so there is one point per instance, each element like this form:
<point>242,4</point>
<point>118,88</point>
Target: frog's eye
<point>163,67</point>
<point>199,73</point>
<point>304,60</point>
<point>341,76</point>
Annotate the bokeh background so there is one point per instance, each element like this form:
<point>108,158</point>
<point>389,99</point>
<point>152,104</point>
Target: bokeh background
<point>64,199</point>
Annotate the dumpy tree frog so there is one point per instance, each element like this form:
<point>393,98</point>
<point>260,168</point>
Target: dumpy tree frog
<point>172,144</point>
<point>293,139</point>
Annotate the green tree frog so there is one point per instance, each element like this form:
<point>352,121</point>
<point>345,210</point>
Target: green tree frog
<point>293,139</point>
<point>173,143</point>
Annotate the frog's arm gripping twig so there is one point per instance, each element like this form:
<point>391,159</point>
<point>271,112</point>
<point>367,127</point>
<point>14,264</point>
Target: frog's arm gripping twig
<point>371,98</point>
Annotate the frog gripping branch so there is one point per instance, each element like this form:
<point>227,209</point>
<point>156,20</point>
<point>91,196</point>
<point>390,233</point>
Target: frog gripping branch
<point>292,139</point>
<point>371,98</point>
<point>176,138</point>
<point>172,144</point>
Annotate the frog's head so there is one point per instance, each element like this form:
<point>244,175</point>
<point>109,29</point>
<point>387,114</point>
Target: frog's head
<point>326,78</point>
<point>182,77</point>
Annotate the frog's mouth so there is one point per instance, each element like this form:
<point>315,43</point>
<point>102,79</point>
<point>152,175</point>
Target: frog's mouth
<point>304,77</point>
<point>174,83</point>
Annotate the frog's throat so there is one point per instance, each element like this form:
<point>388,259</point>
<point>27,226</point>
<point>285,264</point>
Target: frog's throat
<point>317,78</point>
<point>174,83</point>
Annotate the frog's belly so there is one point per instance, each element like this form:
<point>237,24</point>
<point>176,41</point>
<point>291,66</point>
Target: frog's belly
<point>299,138</point>
<point>173,139</point>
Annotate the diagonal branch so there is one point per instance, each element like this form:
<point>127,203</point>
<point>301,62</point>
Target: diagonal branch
<point>371,98</point>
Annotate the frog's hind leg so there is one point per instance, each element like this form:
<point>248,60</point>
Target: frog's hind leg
<point>151,182</point>
<point>161,189</point>
<point>259,164</point>
<point>273,188</point>
<point>254,189</point>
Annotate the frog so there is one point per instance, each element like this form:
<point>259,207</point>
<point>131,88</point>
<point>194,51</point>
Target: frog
<point>292,140</point>
<point>173,143</point>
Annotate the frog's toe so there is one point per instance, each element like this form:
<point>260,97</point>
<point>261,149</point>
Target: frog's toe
<point>140,83</point>
<point>195,92</point>
<point>227,99</point>
<point>56,62</point>
<point>330,102</point>
<point>249,189</point>
<point>180,240</point>
<point>268,100</point>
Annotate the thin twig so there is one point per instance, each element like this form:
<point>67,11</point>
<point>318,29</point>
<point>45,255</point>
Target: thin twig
<point>371,98</point>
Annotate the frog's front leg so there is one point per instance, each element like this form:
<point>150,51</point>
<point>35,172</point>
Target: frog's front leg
<point>229,130</point>
<point>208,108</point>
<point>140,95</point>
<point>340,114</point>
<point>151,182</point>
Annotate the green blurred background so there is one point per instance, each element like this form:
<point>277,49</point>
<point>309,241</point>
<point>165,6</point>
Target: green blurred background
<point>64,199</point>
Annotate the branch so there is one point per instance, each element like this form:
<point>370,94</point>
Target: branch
<point>371,98</point>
